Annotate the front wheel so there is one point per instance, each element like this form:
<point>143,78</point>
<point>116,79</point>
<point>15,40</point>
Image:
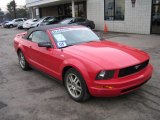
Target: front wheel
<point>76,86</point>
<point>22,61</point>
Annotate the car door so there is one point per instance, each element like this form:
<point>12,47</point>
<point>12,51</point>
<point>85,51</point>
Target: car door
<point>40,57</point>
<point>15,22</point>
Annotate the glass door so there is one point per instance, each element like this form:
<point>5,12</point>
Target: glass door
<point>155,29</point>
<point>80,9</point>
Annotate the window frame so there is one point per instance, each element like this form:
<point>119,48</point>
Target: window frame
<point>114,5</point>
<point>19,20</point>
<point>37,31</point>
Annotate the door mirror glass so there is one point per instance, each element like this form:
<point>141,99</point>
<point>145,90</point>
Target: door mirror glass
<point>45,44</point>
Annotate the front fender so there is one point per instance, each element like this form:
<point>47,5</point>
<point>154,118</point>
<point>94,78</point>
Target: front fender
<point>79,66</point>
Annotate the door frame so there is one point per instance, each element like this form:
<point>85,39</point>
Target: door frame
<point>151,26</point>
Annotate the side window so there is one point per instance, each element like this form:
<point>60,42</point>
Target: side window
<point>80,20</point>
<point>19,20</point>
<point>39,36</point>
<point>56,19</point>
<point>72,21</point>
<point>30,37</point>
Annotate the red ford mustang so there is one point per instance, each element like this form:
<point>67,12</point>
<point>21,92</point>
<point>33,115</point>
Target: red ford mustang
<point>87,65</point>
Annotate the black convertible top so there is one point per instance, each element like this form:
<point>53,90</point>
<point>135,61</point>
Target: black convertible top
<point>47,27</point>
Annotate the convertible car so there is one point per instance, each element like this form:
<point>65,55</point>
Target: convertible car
<point>86,64</point>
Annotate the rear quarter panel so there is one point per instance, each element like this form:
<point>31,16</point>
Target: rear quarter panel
<point>19,44</point>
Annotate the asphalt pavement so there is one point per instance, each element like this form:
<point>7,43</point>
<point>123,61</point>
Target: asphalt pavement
<point>32,95</point>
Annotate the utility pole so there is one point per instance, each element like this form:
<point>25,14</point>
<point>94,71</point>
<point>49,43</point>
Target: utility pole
<point>14,9</point>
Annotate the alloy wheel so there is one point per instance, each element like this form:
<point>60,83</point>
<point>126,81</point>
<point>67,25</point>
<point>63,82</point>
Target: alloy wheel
<point>73,85</point>
<point>22,60</point>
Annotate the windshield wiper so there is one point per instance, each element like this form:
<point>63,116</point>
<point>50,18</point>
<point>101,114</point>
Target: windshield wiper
<point>91,41</point>
<point>67,46</point>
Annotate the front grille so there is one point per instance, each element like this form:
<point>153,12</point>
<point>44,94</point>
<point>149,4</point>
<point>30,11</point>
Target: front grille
<point>133,69</point>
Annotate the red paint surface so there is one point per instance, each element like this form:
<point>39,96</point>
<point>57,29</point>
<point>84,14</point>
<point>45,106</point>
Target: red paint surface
<point>89,59</point>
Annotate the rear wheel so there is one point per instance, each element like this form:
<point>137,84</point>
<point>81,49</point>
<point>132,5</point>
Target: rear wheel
<point>22,61</point>
<point>11,26</point>
<point>76,86</point>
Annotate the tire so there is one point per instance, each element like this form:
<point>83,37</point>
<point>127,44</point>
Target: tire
<point>22,61</point>
<point>76,86</point>
<point>10,26</point>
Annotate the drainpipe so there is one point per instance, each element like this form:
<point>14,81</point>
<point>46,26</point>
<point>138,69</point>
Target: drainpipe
<point>73,8</point>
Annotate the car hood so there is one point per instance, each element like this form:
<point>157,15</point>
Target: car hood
<point>10,22</point>
<point>108,55</point>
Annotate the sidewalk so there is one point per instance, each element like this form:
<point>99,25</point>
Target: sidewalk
<point>135,40</point>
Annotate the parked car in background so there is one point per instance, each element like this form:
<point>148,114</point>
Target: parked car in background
<point>20,25</point>
<point>28,23</point>
<point>15,22</point>
<point>3,24</point>
<point>43,19</point>
<point>54,20</point>
<point>85,64</point>
<point>79,21</point>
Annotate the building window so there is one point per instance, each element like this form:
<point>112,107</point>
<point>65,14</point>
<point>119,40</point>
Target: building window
<point>156,1</point>
<point>66,9</point>
<point>80,9</point>
<point>114,9</point>
<point>60,10</point>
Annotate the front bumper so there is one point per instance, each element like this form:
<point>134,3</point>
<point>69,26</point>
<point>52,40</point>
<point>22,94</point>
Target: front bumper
<point>120,86</point>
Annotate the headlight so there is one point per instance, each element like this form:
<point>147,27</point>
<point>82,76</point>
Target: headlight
<point>105,75</point>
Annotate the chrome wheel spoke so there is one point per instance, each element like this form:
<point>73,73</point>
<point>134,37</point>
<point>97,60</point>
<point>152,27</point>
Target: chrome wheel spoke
<point>71,78</point>
<point>70,85</point>
<point>79,89</point>
<point>75,93</point>
<point>76,80</point>
<point>21,60</point>
<point>74,85</point>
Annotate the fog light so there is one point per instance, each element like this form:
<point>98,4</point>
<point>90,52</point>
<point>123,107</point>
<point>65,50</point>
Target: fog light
<point>105,86</point>
<point>109,87</point>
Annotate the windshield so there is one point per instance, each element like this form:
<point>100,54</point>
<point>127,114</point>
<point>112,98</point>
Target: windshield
<point>71,36</point>
<point>66,21</point>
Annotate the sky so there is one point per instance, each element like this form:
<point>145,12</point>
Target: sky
<point>3,3</point>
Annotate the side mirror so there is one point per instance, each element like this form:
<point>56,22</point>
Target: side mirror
<point>45,44</point>
<point>71,22</point>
